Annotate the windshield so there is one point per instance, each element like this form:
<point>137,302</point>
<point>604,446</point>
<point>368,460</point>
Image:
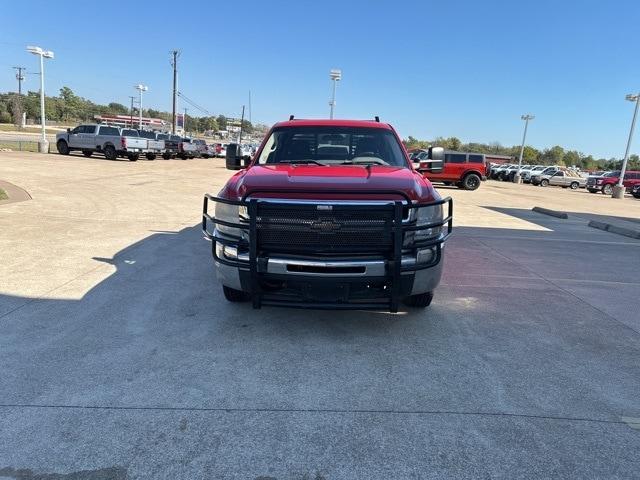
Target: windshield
<point>327,145</point>
<point>147,134</point>
<point>612,174</point>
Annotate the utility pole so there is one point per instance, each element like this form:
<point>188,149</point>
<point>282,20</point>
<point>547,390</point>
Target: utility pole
<point>241,122</point>
<point>526,119</point>
<point>619,189</point>
<point>335,75</point>
<point>174,62</point>
<point>20,78</point>
<point>249,106</point>
<point>131,110</point>
<point>184,121</point>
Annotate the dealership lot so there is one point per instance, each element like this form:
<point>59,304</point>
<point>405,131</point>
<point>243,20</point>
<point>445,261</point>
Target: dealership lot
<point>119,357</point>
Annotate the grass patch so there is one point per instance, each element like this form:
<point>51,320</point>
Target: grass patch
<point>3,195</point>
<point>20,146</point>
<point>6,127</point>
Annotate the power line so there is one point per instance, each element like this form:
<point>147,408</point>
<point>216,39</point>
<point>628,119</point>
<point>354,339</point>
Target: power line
<point>193,104</point>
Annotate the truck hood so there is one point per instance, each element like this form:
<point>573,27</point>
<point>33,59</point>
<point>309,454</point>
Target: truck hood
<point>329,182</point>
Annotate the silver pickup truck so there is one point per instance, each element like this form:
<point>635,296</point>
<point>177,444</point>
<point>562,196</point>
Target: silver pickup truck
<point>155,146</point>
<point>188,149</point>
<point>103,139</point>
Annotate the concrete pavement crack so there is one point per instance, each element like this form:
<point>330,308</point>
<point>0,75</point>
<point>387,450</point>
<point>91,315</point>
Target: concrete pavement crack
<point>314,410</point>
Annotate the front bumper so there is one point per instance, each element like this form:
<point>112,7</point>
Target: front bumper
<point>321,281</point>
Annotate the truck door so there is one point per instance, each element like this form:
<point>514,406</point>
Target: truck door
<point>75,139</point>
<point>557,178</point>
<point>87,137</point>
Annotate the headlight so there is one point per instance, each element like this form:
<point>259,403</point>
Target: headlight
<point>424,216</point>
<point>229,213</point>
<point>599,182</point>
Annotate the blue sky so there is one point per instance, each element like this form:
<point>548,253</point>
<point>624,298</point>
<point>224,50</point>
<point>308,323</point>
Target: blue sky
<point>463,68</point>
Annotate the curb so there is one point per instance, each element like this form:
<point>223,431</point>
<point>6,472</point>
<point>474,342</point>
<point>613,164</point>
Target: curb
<point>553,213</point>
<point>608,227</point>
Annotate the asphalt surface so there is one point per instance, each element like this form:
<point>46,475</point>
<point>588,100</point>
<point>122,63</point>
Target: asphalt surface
<point>119,357</point>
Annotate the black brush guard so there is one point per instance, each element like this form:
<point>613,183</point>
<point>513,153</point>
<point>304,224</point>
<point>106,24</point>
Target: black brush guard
<point>398,225</point>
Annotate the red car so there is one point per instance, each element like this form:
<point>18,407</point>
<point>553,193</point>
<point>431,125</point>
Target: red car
<point>328,214</point>
<point>606,182</point>
<point>465,170</point>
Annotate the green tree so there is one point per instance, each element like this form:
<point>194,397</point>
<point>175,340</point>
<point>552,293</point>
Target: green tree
<point>117,109</point>
<point>222,122</point>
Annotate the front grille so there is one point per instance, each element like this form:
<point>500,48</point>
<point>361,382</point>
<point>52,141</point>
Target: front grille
<point>591,181</point>
<point>305,228</point>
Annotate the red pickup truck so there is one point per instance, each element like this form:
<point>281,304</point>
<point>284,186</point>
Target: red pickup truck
<point>465,170</point>
<point>605,183</point>
<point>328,214</point>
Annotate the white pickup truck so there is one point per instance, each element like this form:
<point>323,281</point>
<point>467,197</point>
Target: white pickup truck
<point>155,147</point>
<point>104,139</point>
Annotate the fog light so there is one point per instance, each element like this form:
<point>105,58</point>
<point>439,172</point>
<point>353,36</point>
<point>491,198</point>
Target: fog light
<point>226,252</point>
<point>425,255</point>
<point>230,252</point>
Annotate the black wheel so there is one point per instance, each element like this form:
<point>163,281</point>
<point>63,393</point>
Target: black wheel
<point>151,156</point>
<point>544,182</point>
<point>574,185</point>
<point>87,153</point>
<point>133,157</point>
<point>235,296</point>
<point>166,156</point>
<point>63,148</point>
<point>471,181</point>
<point>110,152</point>
<point>607,189</point>
<point>421,300</point>
<point>636,195</point>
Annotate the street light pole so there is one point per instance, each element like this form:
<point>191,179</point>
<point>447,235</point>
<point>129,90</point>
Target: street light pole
<point>335,75</point>
<point>526,119</point>
<point>618,190</point>
<point>141,88</point>
<point>43,144</point>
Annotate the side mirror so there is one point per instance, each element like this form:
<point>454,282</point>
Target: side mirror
<point>434,162</point>
<point>233,159</point>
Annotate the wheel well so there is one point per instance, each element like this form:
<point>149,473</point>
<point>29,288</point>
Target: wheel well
<point>469,172</point>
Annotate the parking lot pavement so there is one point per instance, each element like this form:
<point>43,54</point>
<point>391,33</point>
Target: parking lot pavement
<point>119,357</point>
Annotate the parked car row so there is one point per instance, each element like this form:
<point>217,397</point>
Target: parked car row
<point>568,177</point>
<point>114,142</point>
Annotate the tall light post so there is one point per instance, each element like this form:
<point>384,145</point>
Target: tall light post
<point>335,75</point>
<point>526,119</point>
<point>141,88</point>
<point>618,190</point>
<point>43,144</point>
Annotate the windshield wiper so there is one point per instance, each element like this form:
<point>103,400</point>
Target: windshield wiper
<point>293,162</point>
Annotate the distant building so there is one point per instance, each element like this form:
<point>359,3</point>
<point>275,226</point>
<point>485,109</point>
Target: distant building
<point>133,121</point>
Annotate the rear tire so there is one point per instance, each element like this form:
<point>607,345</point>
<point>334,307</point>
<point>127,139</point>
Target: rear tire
<point>471,181</point>
<point>110,152</point>
<point>235,296</point>
<point>63,148</point>
<point>151,156</point>
<point>421,300</point>
<point>166,156</point>
<point>574,185</point>
<point>134,157</point>
<point>87,153</point>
